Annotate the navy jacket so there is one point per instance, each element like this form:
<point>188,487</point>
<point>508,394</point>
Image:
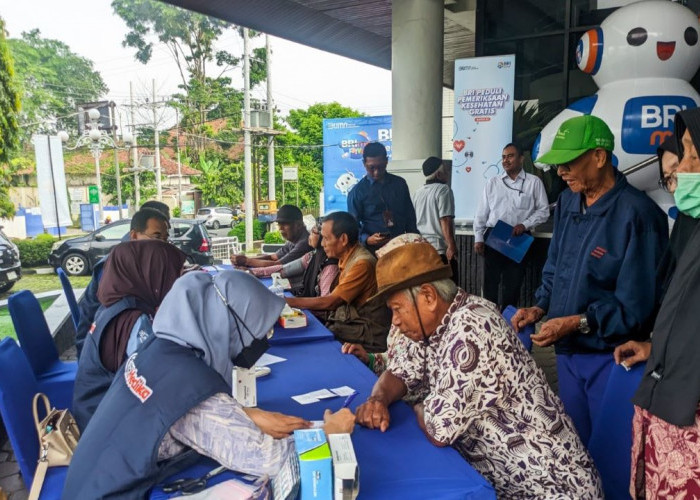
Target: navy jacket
<point>89,305</point>
<point>117,456</point>
<point>92,379</point>
<point>603,263</point>
<point>368,201</point>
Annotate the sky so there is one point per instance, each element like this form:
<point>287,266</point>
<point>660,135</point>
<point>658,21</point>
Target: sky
<point>92,30</point>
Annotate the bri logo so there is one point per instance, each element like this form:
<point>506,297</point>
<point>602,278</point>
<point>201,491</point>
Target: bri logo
<point>648,120</point>
<point>503,64</point>
<point>598,252</point>
<point>135,382</point>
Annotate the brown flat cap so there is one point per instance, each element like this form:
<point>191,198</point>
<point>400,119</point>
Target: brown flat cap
<point>409,265</point>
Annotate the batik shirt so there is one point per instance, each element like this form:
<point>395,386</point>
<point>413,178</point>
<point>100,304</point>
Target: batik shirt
<point>488,399</point>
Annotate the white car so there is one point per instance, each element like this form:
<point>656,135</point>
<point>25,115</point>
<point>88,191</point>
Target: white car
<point>215,217</point>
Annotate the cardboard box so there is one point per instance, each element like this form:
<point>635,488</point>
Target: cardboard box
<point>244,387</point>
<point>298,320</point>
<point>346,475</point>
<point>314,464</point>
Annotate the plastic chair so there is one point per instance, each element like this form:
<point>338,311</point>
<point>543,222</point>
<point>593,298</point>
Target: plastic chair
<point>525,333</point>
<point>17,388</point>
<point>54,376</point>
<point>611,437</point>
<point>70,297</point>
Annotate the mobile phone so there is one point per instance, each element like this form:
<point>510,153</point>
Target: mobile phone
<point>384,235</point>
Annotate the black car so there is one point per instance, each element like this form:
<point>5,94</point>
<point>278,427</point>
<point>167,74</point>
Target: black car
<point>78,256</point>
<point>10,267</point>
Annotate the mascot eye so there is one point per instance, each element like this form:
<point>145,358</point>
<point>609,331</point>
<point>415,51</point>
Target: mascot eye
<point>691,36</point>
<point>637,36</point>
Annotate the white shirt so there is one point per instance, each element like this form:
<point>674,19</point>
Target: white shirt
<point>432,202</point>
<point>522,200</point>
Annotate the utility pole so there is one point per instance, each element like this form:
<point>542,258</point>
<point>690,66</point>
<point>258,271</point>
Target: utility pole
<point>117,174</point>
<point>247,149</point>
<point>179,166</point>
<point>159,187</point>
<point>271,139</point>
<point>134,152</point>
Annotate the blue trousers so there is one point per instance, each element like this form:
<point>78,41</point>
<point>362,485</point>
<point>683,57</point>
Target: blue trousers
<point>582,382</point>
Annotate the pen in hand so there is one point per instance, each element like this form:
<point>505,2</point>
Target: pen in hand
<point>349,399</point>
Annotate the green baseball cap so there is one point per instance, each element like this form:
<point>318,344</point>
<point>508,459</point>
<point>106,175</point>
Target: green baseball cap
<point>576,136</point>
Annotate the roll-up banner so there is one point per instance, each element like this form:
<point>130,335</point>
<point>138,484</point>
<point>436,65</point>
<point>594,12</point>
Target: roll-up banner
<point>483,125</point>
<point>51,181</point>
<point>343,140</point>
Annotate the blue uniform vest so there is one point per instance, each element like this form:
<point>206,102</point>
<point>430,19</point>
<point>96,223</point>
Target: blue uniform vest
<point>117,456</point>
<point>93,379</point>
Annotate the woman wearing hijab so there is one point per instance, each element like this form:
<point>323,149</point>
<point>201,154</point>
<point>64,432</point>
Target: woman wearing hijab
<point>136,277</point>
<point>312,275</point>
<point>156,420</point>
<point>666,425</point>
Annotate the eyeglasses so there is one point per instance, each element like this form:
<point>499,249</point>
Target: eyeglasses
<point>668,182</point>
<point>190,486</point>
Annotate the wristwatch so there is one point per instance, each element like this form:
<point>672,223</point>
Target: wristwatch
<point>583,324</point>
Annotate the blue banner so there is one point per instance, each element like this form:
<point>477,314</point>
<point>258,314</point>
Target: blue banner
<point>344,139</point>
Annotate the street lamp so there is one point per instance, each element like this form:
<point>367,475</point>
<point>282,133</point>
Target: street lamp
<point>96,140</point>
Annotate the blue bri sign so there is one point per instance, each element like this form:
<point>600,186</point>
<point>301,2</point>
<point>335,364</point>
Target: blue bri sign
<point>343,140</point>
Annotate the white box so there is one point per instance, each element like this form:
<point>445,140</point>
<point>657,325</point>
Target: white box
<point>346,474</point>
<point>244,387</point>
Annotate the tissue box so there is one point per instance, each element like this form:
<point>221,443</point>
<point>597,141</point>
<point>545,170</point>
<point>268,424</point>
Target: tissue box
<point>346,475</point>
<point>295,320</point>
<point>314,464</point>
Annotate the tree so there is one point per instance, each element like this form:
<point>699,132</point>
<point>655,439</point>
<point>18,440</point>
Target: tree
<point>303,147</point>
<point>53,81</point>
<point>9,125</point>
<point>221,181</point>
<point>147,185</point>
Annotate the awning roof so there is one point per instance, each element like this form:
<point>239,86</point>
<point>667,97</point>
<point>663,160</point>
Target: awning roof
<point>358,29</point>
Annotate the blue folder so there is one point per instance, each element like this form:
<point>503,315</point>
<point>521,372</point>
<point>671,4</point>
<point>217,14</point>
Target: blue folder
<point>514,247</point>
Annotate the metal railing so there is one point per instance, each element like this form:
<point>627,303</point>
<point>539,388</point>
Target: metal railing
<point>223,248</point>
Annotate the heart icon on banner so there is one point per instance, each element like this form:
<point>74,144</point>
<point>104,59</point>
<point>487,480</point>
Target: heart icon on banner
<point>469,169</point>
<point>459,145</point>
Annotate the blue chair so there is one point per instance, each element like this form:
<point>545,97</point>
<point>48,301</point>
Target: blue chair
<point>525,333</point>
<point>70,296</point>
<point>611,437</point>
<point>54,376</point>
<point>17,389</point>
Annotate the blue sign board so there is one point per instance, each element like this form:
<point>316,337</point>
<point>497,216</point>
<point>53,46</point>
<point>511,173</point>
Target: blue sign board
<point>343,140</point>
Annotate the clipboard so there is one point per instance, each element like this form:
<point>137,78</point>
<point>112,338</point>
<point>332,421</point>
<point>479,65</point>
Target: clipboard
<point>514,247</point>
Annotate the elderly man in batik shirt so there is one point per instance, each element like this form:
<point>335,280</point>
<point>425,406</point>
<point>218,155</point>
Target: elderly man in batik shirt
<point>485,395</point>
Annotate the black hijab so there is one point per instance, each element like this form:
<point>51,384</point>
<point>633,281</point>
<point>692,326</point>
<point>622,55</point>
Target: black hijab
<point>670,387</point>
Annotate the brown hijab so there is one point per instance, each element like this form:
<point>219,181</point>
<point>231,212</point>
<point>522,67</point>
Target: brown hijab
<point>144,269</point>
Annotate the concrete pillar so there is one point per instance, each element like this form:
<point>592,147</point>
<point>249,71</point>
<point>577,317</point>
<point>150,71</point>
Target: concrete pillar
<point>416,78</point>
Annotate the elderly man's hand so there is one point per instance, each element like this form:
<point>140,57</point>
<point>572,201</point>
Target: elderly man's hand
<point>357,350</point>
<point>239,260</point>
<point>479,248</point>
<point>632,352</point>
<point>373,414</point>
<point>340,422</point>
<point>526,316</point>
<point>518,230</point>
<point>554,329</point>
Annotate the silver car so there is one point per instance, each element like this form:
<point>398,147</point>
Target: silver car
<point>215,217</point>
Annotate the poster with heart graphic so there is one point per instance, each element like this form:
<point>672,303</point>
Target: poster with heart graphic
<point>483,124</point>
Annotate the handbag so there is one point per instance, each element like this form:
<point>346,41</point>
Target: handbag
<point>58,437</point>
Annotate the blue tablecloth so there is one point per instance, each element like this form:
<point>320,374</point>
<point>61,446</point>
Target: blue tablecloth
<point>399,463</point>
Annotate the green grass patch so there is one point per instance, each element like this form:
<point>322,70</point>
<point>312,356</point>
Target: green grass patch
<point>6,327</point>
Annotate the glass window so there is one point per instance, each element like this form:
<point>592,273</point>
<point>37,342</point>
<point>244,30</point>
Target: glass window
<point>115,232</point>
<point>225,211</point>
<point>587,13</point>
<point>203,211</point>
<point>180,229</point>
<point>538,66</point>
<point>506,19</point>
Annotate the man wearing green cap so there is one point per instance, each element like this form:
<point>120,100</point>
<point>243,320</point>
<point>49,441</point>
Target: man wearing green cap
<point>598,285</point>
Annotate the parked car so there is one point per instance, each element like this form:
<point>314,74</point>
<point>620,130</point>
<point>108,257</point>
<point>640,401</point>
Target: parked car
<point>215,217</point>
<point>10,267</point>
<point>78,256</point>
